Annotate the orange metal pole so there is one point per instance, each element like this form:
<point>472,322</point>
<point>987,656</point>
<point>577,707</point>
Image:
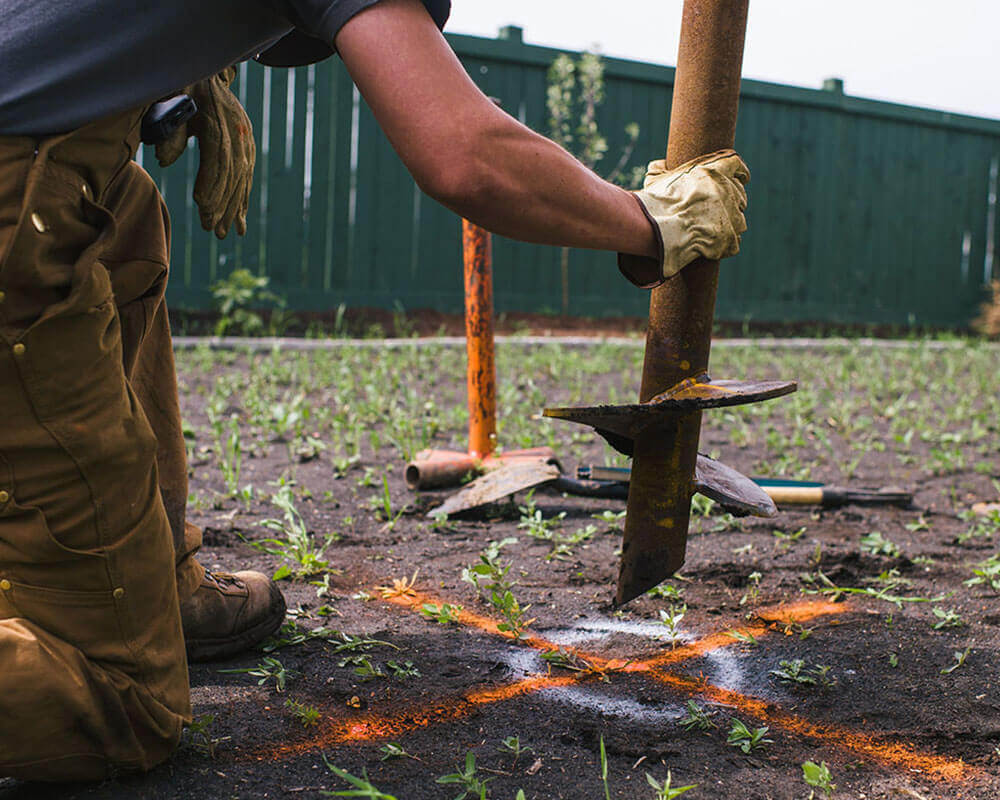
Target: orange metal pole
<point>482,372</point>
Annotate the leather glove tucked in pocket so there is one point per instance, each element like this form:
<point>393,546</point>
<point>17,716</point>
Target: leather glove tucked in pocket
<point>227,153</point>
<point>697,210</point>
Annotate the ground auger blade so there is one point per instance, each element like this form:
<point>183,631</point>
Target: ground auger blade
<point>656,432</point>
<point>665,426</point>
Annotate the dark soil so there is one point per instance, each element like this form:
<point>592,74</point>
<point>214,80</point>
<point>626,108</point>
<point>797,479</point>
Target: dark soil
<point>888,725</point>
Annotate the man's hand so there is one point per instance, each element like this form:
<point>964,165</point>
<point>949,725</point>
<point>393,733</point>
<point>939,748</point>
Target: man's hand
<point>697,208</point>
<point>227,154</point>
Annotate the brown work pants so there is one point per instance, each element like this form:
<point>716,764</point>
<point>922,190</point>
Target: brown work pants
<point>93,549</point>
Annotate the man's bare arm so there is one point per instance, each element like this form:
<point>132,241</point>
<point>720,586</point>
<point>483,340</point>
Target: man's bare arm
<point>471,156</point>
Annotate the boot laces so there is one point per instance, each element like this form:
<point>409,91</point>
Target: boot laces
<point>223,579</point>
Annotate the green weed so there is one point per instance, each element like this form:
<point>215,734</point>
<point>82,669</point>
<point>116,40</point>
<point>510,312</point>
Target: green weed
<point>818,776</point>
<point>490,575</point>
<point>306,714</point>
<point>269,669</point>
<point>305,557</point>
<point>467,780</point>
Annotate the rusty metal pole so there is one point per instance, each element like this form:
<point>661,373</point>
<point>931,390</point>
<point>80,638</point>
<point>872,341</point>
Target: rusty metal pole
<point>433,469</point>
<point>678,340</point>
<point>661,431</point>
<point>481,371</point>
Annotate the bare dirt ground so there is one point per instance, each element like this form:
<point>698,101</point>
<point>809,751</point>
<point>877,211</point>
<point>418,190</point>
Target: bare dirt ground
<point>865,638</point>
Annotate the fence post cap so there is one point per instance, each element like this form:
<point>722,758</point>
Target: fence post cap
<point>511,33</point>
<point>835,85</point>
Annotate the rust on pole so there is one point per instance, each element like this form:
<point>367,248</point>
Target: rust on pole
<point>661,431</point>
<point>435,469</point>
<point>482,373</point>
<point>678,339</point>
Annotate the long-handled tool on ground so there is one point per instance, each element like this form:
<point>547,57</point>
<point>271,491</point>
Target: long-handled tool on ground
<point>661,432</point>
<point>508,472</point>
<point>612,482</point>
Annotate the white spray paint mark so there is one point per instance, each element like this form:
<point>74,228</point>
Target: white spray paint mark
<point>610,706</point>
<point>723,669</point>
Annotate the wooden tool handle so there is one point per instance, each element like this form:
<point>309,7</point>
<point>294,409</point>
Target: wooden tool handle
<point>795,495</point>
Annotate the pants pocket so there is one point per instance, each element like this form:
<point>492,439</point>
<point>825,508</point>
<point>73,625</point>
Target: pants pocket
<point>88,621</point>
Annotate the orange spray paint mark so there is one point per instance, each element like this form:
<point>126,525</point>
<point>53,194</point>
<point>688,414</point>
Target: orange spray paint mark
<point>381,726</point>
<point>470,619</point>
<point>882,750</point>
<point>375,726</point>
<point>767,617</point>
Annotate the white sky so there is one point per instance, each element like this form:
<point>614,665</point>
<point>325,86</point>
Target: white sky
<point>943,55</point>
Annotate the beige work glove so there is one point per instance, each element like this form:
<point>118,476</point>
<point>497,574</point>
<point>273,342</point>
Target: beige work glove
<point>697,211</point>
<point>227,153</point>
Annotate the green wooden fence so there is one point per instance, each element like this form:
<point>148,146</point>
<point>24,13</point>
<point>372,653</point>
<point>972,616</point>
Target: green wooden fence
<point>861,211</point>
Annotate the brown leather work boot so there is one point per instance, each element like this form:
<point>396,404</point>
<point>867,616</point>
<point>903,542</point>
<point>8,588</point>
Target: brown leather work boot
<point>228,614</point>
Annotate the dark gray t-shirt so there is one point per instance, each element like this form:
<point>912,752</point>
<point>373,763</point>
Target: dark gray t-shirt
<point>64,63</point>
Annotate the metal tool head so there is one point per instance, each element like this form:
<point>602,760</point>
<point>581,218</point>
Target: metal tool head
<point>633,420</point>
<point>510,478</point>
<point>732,490</point>
<point>660,498</point>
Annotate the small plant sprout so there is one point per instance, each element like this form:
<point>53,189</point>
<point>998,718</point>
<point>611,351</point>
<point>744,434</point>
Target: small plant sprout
<point>743,636</point>
<point>959,661</point>
<point>534,523</point>
<point>604,770</point>
<point>565,659</point>
<point>987,574</point>
<point>386,507</point>
<point>198,735</point>
<point>701,506</point>
<point>443,614</point>
<point>666,591</point>
<point>297,547</point>
<point>697,717</point>
<point>920,524</point>
<point>346,643</point>
<point>563,544</point>
<point>322,586</point>
<point>467,780</point>
<point>791,628</point>
<point>512,745</point>
<point>670,618</point>
<point>786,539</point>
<point>394,750</point>
<point>612,519</point>
<point>493,575</point>
<point>363,667</point>
<point>946,618</point>
<point>890,582</point>
<point>877,545</point>
<point>664,791</point>
<point>752,594</point>
<point>269,669</point>
<point>401,587</point>
<point>306,714</point>
<point>404,670</point>
<point>362,786</point>
<point>290,635</point>
<point>745,739</point>
<point>818,777</point>
<point>441,523</point>
<point>796,672</point>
